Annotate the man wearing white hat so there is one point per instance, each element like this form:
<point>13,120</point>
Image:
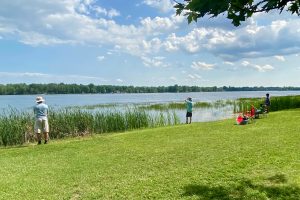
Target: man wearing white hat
<point>41,120</point>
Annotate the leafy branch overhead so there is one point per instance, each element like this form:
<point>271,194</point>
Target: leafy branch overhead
<point>236,10</point>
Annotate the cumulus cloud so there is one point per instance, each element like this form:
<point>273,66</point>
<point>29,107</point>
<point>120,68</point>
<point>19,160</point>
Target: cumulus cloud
<point>100,58</point>
<point>260,68</point>
<point>162,5</point>
<point>173,78</point>
<point>23,74</point>
<point>109,13</point>
<point>36,77</point>
<point>249,41</point>
<point>84,22</point>
<point>72,22</point>
<point>194,78</point>
<point>154,62</point>
<point>228,63</point>
<point>202,66</point>
<point>280,58</point>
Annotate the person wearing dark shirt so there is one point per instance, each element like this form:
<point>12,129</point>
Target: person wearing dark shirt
<point>267,102</point>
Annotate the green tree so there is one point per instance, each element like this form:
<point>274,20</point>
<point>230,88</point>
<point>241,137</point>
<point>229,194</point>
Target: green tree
<point>236,10</point>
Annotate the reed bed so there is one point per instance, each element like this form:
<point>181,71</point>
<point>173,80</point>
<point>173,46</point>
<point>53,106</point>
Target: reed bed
<point>16,127</point>
<point>277,103</point>
<point>175,105</point>
<point>95,106</point>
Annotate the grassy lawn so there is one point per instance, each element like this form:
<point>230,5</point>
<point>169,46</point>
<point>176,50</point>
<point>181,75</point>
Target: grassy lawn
<point>215,160</point>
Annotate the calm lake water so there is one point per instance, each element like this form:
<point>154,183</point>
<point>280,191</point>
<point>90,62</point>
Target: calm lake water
<point>24,102</point>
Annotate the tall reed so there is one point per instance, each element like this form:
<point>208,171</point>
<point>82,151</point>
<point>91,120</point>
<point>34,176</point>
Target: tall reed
<point>277,103</point>
<point>16,126</point>
<point>174,105</point>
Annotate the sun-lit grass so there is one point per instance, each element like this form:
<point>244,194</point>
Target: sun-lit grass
<point>215,160</point>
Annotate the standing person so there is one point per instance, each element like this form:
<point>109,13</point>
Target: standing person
<point>189,110</point>
<point>267,102</point>
<point>41,120</point>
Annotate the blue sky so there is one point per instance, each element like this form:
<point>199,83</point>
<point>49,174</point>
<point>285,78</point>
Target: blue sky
<point>143,43</point>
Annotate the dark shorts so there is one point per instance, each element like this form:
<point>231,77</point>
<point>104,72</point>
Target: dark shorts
<point>188,114</point>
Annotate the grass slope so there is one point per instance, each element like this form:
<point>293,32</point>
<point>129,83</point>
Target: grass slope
<point>215,160</point>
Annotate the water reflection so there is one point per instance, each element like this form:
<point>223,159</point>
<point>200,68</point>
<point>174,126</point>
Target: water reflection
<point>207,114</point>
<point>202,114</point>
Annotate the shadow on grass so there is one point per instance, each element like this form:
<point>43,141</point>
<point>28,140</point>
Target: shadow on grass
<point>275,188</point>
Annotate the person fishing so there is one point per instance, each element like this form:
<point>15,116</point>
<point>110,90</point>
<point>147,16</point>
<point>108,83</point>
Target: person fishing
<point>41,120</point>
<point>189,110</point>
<point>267,103</point>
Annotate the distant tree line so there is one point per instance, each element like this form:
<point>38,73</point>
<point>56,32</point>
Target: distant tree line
<point>61,88</point>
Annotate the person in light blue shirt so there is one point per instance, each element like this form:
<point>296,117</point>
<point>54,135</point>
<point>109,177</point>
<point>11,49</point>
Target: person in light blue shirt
<point>189,110</point>
<point>41,124</point>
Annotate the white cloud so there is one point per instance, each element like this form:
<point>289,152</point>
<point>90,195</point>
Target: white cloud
<point>245,63</point>
<point>202,65</point>
<point>278,25</point>
<point>100,58</point>
<point>260,68</point>
<point>24,74</point>
<point>158,25</point>
<point>119,80</point>
<point>250,41</point>
<point>113,13</point>
<point>195,77</point>
<point>151,46</point>
<point>173,78</point>
<point>162,5</point>
<point>109,13</point>
<point>191,76</point>
<point>198,76</point>
<point>36,39</point>
<point>36,77</point>
<point>154,62</point>
<point>228,63</point>
<point>200,39</point>
<point>263,68</point>
<point>82,22</point>
<point>280,58</point>
<point>100,10</point>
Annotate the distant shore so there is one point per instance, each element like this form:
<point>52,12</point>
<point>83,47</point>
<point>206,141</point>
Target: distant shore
<point>61,88</point>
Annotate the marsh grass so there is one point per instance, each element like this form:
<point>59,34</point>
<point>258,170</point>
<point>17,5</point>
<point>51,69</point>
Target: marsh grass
<point>277,103</point>
<point>177,105</point>
<point>14,126</point>
<point>92,107</point>
<point>17,126</point>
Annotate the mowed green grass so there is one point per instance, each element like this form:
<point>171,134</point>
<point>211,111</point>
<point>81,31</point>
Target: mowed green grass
<point>214,160</point>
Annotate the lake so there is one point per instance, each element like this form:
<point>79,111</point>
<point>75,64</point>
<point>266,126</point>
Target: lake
<point>24,102</point>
